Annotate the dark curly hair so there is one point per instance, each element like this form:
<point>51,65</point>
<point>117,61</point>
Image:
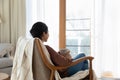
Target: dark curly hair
<point>37,29</point>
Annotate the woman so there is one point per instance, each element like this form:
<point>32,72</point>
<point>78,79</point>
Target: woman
<point>40,30</point>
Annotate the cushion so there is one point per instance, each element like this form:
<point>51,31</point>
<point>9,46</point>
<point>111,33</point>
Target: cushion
<point>6,49</point>
<point>6,70</point>
<point>5,62</point>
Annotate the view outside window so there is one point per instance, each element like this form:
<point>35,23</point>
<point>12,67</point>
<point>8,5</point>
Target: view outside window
<point>78,25</point>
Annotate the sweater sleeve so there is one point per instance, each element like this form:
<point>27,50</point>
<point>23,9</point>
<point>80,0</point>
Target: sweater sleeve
<point>56,58</point>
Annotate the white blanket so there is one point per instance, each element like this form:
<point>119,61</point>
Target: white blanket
<point>22,64</point>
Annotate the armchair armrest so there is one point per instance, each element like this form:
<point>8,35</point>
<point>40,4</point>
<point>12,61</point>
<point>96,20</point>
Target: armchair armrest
<point>90,58</point>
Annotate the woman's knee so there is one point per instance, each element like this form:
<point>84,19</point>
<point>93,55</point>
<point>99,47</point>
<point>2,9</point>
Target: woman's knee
<point>82,55</point>
<point>79,56</point>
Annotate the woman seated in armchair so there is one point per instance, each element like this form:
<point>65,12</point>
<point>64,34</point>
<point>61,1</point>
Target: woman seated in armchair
<point>40,30</point>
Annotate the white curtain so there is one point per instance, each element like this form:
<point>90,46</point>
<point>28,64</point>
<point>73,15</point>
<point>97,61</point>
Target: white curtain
<point>13,23</point>
<point>46,11</point>
<point>4,25</point>
<point>106,38</point>
<point>17,19</point>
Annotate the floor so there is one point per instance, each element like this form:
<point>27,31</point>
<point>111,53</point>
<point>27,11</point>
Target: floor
<point>109,79</point>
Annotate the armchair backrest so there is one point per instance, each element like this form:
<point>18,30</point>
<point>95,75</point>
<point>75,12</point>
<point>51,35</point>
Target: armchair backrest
<point>40,70</point>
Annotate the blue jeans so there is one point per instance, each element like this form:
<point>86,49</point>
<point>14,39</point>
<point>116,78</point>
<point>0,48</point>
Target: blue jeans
<point>78,67</point>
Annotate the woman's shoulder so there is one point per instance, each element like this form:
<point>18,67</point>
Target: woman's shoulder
<point>48,47</point>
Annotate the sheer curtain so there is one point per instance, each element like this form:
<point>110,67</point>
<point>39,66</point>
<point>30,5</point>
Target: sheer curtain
<point>13,23</point>
<point>46,11</point>
<point>106,37</point>
<point>17,19</point>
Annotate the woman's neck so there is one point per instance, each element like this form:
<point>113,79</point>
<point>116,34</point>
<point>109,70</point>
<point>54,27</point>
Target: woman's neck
<point>42,41</point>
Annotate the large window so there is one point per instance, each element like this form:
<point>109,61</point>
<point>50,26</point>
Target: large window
<point>78,19</point>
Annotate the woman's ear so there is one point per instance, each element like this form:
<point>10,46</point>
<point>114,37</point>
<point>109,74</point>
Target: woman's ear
<point>43,33</point>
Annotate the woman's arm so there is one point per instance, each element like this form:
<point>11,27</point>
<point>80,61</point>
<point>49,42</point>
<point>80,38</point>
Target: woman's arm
<point>56,58</point>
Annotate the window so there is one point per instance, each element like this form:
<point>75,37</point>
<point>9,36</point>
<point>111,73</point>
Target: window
<point>78,14</point>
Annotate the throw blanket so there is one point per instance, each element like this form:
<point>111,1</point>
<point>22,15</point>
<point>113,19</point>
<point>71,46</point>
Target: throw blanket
<point>22,63</point>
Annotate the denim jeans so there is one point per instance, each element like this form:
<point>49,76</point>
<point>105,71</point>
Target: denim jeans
<point>78,67</point>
